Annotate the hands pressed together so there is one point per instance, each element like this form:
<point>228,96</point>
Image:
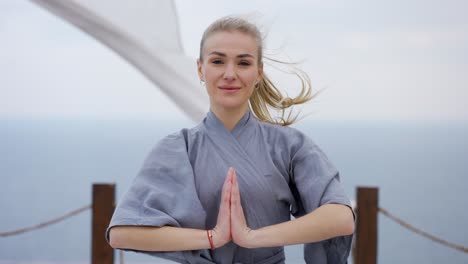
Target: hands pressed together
<point>231,223</point>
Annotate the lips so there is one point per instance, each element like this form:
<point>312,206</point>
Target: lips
<point>229,88</point>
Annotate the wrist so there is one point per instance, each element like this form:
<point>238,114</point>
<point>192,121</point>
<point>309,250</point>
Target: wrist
<point>252,239</point>
<point>217,239</point>
<point>261,238</point>
<point>209,234</point>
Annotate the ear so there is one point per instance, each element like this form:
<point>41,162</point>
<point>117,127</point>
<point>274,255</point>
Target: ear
<point>199,70</point>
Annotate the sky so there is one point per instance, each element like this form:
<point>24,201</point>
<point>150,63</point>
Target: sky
<point>371,60</point>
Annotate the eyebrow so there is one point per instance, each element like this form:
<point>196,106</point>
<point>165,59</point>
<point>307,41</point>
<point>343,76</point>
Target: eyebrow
<point>246,55</point>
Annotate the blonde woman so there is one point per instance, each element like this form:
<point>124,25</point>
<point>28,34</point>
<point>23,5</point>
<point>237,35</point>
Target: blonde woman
<point>224,191</point>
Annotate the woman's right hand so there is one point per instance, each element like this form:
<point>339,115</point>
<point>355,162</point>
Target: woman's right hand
<point>222,230</point>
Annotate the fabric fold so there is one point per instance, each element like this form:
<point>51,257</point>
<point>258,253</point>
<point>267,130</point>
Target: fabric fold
<point>149,201</point>
<point>316,182</point>
<point>280,172</point>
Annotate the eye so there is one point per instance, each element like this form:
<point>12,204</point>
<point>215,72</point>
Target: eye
<point>217,61</point>
<point>244,63</point>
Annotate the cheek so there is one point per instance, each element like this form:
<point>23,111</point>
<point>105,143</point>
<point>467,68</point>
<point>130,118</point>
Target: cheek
<point>211,74</point>
<point>211,82</point>
<point>250,79</point>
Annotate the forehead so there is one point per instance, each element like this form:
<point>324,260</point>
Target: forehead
<point>231,43</point>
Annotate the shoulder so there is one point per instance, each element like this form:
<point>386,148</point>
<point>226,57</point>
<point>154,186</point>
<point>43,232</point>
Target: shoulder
<point>172,143</point>
<point>183,136</point>
<point>286,136</point>
<point>175,145</point>
<point>185,140</point>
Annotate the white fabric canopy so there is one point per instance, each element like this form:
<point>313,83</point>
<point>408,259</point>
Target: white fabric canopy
<point>146,34</point>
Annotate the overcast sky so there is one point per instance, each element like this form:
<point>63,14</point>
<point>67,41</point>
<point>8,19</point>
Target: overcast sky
<point>392,60</point>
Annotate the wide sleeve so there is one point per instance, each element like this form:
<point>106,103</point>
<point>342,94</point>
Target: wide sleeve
<point>163,194</point>
<point>316,182</point>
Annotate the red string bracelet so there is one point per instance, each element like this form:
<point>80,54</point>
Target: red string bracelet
<point>210,238</point>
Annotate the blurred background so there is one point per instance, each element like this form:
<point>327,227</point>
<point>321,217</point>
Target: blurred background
<point>392,113</point>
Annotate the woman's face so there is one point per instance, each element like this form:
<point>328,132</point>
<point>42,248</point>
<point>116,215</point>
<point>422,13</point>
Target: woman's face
<point>229,69</point>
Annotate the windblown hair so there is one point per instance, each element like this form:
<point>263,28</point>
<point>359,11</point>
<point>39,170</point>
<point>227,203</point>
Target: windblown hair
<point>266,96</point>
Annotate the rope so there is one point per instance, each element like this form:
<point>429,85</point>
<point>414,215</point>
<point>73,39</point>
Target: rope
<point>383,211</point>
<point>422,233</point>
<point>50,222</point>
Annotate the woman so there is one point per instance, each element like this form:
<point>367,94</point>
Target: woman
<point>182,206</point>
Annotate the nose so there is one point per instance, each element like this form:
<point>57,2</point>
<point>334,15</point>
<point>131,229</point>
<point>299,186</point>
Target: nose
<point>229,72</point>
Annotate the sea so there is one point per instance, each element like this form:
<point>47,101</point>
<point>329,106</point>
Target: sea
<point>48,166</point>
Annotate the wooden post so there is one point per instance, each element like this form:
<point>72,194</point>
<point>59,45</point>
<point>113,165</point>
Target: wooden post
<point>366,230</point>
<point>103,208</point>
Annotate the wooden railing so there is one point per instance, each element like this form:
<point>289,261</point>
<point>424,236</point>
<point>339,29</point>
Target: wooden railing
<point>102,210</point>
<point>364,249</point>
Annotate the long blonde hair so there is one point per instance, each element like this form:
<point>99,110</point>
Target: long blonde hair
<point>266,96</point>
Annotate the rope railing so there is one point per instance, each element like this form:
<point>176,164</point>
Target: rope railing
<point>421,232</point>
<point>54,221</point>
<point>47,223</point>
<point>382,210</point>
<point>102,208</point>
<point>97,198</point>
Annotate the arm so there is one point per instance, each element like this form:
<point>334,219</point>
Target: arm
<point>327,221</point>
<point>168,238</point>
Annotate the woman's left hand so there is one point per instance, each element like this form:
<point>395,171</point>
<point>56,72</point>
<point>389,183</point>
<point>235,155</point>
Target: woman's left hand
<point>241,234</point>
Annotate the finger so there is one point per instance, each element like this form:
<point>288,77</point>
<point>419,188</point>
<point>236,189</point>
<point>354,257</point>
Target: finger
<point>235,183</point>
<point>235,193</point>
<point>226,190</point>
<point>236,205</point>
<point>229,174</point>
<point>228,181</point>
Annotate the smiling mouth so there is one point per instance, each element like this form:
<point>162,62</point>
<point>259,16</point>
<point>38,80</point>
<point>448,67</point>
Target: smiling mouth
<point>229,88</point>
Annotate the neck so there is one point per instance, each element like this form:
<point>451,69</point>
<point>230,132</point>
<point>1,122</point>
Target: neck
<point>229,117</point>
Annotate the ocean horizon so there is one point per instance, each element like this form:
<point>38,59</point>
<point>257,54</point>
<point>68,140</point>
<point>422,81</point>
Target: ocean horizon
<point>49,165</point>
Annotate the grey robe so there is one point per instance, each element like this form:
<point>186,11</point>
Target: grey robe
<point>280,172</point>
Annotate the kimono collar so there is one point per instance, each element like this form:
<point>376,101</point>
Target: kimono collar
<point>212,121</point>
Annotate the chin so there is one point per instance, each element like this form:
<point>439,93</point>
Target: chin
<point>230,104</point>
